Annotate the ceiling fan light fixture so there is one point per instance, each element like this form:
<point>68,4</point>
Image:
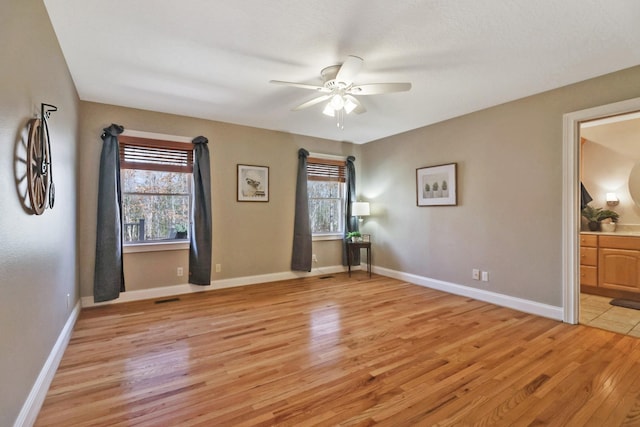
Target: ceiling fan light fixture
<point>349,105</point>
<point>328,110</point>
<point>337,102</point>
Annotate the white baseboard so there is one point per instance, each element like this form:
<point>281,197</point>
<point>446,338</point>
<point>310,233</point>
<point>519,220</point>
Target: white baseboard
<point>519,304</point>
<point>527,306</point>
<point>167,291</point>
<point>31,407</point>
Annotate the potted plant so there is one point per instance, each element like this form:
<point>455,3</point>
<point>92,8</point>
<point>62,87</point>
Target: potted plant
<point>600,218</point>
<point>181,231</point>
<point>354,236</point>
<point>436,193</point>
<point>592,214</point>
<point>608,220</point>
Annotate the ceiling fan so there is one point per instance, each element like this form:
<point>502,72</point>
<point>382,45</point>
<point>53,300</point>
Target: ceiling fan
<point>339,90</point>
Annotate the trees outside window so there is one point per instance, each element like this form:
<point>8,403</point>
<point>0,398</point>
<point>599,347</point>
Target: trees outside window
<point>156,178</point>
<point>326,192</point>
<point>326,207</point>
<point>155,205</point>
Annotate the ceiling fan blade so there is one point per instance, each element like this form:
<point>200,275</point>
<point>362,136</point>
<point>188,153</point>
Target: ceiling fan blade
<point>301,85</point>
<point>359,107</point>
<point>311,102</point>
<point>379,88</point>
<point>349,69</point>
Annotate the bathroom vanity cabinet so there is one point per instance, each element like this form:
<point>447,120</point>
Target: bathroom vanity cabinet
<point>610,265</point>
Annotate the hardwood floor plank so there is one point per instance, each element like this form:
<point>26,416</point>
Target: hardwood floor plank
<point>622,407</point>
<point>343,351</point>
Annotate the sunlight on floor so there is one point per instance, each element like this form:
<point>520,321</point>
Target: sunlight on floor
<point>597,312</point>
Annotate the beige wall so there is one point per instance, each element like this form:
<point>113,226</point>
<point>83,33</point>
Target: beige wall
<point>248,238</point>
<point>37,253</point>
<point>509,213</point>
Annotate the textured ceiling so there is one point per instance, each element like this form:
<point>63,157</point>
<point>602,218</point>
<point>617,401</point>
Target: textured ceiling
<point>214,59</point>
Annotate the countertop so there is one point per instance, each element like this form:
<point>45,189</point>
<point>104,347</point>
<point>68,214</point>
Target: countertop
<point>621,230</point>
<point>613,233</point>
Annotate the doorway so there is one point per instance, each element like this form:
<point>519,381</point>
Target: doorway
<point>571,198</point>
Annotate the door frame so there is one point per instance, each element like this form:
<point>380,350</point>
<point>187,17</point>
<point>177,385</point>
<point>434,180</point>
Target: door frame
<point>571,198</point>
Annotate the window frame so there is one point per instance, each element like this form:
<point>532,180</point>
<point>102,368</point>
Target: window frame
<point>330,160</point>
<point>140,138</point>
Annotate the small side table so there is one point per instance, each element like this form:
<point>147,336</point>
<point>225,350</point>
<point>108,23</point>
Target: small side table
<point>353,246</point>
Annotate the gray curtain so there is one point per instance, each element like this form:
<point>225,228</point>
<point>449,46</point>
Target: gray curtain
<point>200,224</point>
<point>351,222</point>
<point>108,278</point>
<point>301,257</point>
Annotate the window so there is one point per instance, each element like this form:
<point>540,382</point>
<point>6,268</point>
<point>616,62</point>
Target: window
<point>326,190</point>
<point>156,189</point>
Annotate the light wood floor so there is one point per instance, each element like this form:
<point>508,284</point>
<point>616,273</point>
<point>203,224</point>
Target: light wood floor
<point>339,351</point>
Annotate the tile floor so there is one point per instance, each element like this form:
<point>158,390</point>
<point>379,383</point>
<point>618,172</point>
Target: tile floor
<point>597,312</point>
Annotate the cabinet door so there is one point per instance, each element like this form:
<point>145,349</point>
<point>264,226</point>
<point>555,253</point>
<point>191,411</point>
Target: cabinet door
<point>619,269</point>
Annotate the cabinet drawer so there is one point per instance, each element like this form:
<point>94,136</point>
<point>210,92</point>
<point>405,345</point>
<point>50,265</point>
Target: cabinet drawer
<point>588,240</point>
<point>588,275</point>
<point>589,256</point>
<point>620,242</point>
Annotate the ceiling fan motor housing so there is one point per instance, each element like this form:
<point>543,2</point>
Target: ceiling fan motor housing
<point>329,78</point>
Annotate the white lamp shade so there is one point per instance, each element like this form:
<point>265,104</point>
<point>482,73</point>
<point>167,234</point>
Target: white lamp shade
<point>349,106</point>
<point>329,111</point>
<point>611,197</point>
<point>337,102</point>
<point>360,209</point>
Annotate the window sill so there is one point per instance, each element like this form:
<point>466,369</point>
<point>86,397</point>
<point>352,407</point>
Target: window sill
<point>332,236</point>
<point>156,246</point>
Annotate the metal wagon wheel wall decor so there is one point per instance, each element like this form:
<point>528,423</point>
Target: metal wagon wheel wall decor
<point>42,191</point>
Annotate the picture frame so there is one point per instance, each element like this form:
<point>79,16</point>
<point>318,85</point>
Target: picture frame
<point>253,183</point>
<point>437,185</point>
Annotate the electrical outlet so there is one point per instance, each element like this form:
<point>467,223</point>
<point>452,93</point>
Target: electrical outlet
<point>218,268</point>
<point>180,272</point>
<point>475,274</point>
<point>485,276</point>
<point>314,258</point>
